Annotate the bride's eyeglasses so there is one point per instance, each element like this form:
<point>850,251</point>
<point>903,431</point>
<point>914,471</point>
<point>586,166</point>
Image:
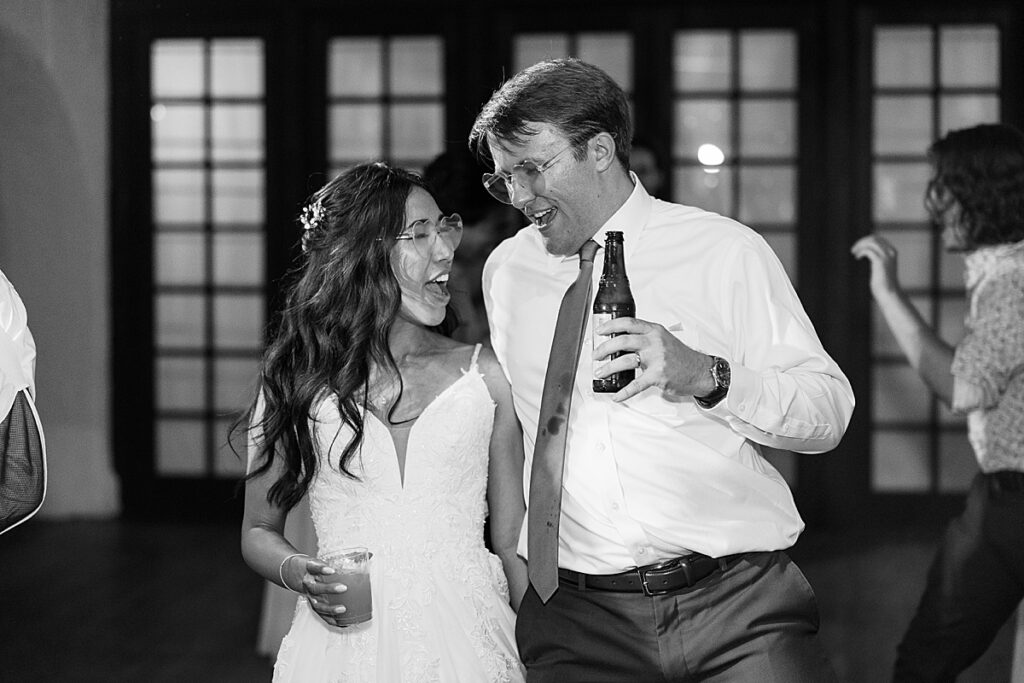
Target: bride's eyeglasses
<point>525,174</point>
<point>424,233</point>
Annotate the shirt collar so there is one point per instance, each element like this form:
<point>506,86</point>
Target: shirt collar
<point>988,260</point>
<point>630,220</point>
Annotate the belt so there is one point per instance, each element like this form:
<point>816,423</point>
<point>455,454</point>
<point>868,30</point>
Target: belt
<point>652,579</point>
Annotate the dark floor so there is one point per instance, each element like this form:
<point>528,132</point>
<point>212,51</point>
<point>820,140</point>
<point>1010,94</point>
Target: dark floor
<point>110,601</point>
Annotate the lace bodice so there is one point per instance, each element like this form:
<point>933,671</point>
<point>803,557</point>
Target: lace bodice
<point>442,502</point>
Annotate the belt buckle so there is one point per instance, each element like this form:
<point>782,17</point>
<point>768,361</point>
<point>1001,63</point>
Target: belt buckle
<point>642,572</point>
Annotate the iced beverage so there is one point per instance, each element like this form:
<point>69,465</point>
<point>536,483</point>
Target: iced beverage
<point>352,568</point>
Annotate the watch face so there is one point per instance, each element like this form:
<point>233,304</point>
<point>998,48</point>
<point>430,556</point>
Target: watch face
<point>722,373</point>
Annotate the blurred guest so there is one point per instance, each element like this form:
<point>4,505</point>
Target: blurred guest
<point>645,159</point>
<point>22,446</point>
<point>976,199</point>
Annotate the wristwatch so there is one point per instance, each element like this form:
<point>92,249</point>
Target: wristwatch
<point>722,374</point>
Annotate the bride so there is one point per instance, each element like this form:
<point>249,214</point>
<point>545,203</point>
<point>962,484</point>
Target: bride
<point>403,440</point>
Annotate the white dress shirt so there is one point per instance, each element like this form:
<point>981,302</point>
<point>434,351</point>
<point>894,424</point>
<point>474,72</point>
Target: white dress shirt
<point>654,478</point>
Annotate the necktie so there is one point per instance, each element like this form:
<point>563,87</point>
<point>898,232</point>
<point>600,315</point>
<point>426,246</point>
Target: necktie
<point>552,425</point>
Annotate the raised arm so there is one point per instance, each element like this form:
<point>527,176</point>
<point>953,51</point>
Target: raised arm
<point>926,352</point>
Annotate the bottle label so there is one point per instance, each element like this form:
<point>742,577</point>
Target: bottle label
<point>599,319</point>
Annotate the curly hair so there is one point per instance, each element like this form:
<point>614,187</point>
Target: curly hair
<point>982,169</point>
<point>339,305</point>
<point>577,98</point>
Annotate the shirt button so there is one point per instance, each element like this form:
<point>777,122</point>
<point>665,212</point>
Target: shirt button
<point>600,448</point>
<point>615,506</point>
<point>642,551</point>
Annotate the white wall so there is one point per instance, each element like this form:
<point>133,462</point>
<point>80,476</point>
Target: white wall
<point>54,235</point>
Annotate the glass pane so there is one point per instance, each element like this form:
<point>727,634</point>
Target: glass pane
<point>179,258</point>
<point>951,269</point>
<point>899,394</point>
<point>236,68</point>
<point>903,125</point>
<point>702,60</point>
<point>180,383</point>
<point>356,131</point>
<point>947,417</point>
<point>531,48</point>
<point>237,196</point>
<point>767,194</point>
<point>179,320</point>
<point>883,343</point>
<point>699,122</point>
<point>710,191</point>
<point>767,60</point>
<point>416,66</point>
<point>226,462</point>
<point>952,312</point>
<point>962,111</point>
<point>238,321</point>
<point>768,128</point>
<point>784,246</point>
<point>234,382</point>
<point>899,462</point>
<point>914,261</point>
<point>238,258</point>
<point>179,447</point>
<point>957,463</point>
<point>903,57</point>
<point>899,192</point>
<point>355,67</point>
<point>613,52</point>
<point>417,130</point>
<point>969,56</point>
<point>178,132</point>
<point>178,196</point>
<point>237,132</point>
<point>177,68</point>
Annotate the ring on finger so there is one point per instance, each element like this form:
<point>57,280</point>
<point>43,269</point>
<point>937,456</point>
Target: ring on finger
<point>639,360</point>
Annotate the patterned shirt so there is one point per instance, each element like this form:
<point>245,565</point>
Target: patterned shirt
<point>988,366</point>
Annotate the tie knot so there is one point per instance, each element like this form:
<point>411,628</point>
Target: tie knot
<point>588,251</point>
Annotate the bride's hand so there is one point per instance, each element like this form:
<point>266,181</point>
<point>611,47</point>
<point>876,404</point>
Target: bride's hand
<point>303,573</point>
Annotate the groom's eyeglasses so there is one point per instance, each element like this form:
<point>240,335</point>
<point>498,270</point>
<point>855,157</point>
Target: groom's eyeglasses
<point>525,174</point>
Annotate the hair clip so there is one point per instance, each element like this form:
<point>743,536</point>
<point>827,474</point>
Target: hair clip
<point>312,215</point>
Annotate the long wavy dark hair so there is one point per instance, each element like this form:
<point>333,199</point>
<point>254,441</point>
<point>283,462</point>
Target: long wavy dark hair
<point>339,304</point>
<point>982,168</point>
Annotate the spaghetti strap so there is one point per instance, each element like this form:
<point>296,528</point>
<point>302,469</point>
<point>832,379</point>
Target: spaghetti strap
<point>476,354</point>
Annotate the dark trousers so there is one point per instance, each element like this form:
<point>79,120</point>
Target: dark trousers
<point>975,583</point>
<point>757,621</point>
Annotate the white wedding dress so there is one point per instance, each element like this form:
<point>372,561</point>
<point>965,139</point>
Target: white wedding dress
<point>440,599</point>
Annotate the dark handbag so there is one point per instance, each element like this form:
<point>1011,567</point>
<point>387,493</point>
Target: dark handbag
<point>22,464</point>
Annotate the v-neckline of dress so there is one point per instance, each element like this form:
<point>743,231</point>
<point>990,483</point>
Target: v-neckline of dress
<point>403,471</point>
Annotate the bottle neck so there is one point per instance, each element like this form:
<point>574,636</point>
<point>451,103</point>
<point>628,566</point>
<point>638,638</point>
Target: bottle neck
<point>614,262</point>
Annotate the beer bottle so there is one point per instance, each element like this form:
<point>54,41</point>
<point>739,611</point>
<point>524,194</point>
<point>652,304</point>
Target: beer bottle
<point>613,300</point>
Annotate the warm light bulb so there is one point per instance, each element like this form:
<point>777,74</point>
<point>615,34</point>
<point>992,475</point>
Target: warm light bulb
<point>710,155</point>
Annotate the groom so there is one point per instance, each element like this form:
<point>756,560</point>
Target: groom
<point>667,559</point>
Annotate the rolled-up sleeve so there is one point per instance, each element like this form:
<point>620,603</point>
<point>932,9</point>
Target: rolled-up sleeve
<point>786,391</point>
